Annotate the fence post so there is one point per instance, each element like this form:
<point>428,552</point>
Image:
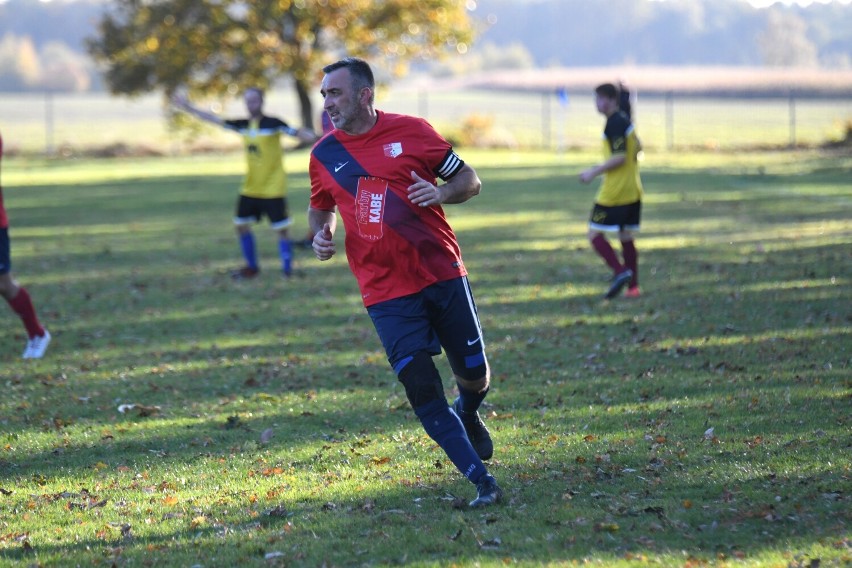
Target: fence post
<point>792,112</point>
<point>669,120</point>
<point>48,123</point>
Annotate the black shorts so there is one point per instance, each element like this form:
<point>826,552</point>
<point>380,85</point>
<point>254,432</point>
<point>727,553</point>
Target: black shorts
<point>5,256</point>
<point>616,218</point>
<point>253,209</point>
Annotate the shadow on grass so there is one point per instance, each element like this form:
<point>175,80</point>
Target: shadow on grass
<point>749,340</point>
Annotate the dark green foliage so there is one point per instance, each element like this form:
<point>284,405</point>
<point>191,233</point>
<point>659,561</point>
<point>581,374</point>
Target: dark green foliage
<point>218,47</point>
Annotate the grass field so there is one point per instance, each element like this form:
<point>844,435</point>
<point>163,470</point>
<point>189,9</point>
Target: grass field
<point>706,423</point>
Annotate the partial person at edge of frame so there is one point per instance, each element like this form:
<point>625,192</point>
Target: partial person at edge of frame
<point>38,338</point>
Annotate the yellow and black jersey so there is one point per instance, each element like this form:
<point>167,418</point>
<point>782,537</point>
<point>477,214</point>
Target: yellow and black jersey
<point>264,156</point>
<point>622,185</point>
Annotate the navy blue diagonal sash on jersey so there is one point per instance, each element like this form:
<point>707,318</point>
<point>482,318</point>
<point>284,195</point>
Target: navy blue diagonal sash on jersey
<point>341,165</point>
<point>398,214</point>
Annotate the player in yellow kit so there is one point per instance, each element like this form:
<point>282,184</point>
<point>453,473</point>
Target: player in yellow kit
<point>264,188</point>
<point>618,205</point>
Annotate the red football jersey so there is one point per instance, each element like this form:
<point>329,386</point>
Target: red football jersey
<point>394,248</point>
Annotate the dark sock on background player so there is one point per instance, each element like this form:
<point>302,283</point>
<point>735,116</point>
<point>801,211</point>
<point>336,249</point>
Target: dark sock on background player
<point>247,246</point>
<point>23,306</point>
<point>631,261</point>
<point>606,252</point>
<point>285,251</point>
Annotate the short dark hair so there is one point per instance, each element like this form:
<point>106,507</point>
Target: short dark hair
<point>607,90</point>
<point>257,90</point>
<point>362,75</point>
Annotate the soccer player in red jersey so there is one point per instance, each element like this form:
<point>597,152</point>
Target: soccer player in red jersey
<point>38,338</point>
<point>380,172</point>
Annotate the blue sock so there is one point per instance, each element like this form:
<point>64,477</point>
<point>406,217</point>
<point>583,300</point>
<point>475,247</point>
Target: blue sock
<point>446,429</point>
<point>469,401</point>
<point>249,252</point>
<point>285,251</point>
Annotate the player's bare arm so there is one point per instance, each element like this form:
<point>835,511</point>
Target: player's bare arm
<point>306,135</point>
<point>464,185</point>
<point>615,161</point>
<point>182,102</point>
<point>323,224</point>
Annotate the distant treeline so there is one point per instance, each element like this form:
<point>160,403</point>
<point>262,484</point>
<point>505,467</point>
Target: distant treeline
<point>42,43</point>
<point>593,33</point>
<point>653,81</point>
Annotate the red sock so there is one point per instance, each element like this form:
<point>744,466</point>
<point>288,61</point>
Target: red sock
<point>631,261</point>
<point>604,249</point>
<point>23,306</point>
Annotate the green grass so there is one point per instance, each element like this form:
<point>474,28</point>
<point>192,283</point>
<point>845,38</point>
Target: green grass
<point>272,432</point>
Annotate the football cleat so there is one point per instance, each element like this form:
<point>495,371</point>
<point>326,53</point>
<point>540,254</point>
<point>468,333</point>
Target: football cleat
<point>487,492</point>
<point>37,345</point>
<point>619,281</point>
<point>245,273</point>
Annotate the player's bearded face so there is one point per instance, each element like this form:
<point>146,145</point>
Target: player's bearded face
<point>344,112</point>
<point>343,101</point>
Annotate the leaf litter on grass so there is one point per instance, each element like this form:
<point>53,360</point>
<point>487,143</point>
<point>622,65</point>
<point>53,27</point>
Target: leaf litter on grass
<point>267,441</point>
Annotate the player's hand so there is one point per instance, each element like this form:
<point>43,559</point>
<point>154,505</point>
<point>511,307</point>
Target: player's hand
<point>307,136</point>
<point>424,193</point>
<point>323,244</point>
<point>587,176</point>
<point>180,100</point>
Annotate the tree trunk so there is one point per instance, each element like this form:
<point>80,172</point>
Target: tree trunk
<point>305,105</point>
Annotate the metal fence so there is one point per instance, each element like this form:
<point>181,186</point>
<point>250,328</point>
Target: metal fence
<point>57,123</point>
<point>669,121</point>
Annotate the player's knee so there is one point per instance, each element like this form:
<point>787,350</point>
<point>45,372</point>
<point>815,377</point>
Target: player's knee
<point>421,380</point>
<point>477,386</point>
<point>8,288</point>
<point>476,375</point>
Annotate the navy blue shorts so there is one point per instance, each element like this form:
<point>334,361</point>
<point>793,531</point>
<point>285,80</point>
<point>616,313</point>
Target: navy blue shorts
<point>442,315</point>
<point>253,209</point>
<point>5,256</point>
